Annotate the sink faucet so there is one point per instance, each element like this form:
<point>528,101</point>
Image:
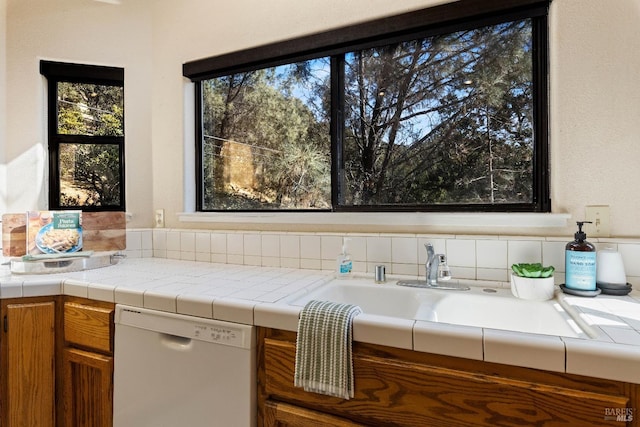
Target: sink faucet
<point>437,273</point>
<point>436,267</point>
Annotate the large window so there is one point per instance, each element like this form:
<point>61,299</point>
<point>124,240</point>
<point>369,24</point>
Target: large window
<point>265,140</point>
<point>448,115</point>
<point>86,136</point>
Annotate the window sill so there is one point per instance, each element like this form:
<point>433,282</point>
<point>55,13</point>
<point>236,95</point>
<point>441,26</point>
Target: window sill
<point>431,219</point>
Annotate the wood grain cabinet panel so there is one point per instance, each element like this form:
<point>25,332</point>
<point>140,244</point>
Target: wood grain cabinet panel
<point>86,364</point>
<point>278,414</point>
<point>28,364</point>
<point>87,397</point>
<point>56,362</point>
<point>404,388</point>
<point>89,326</point>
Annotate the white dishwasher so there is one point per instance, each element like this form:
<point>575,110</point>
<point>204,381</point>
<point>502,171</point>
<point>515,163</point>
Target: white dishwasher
<point>182,371</point>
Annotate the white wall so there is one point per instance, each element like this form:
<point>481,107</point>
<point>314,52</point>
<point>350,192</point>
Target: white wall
<point>3,113</point>
<point>595,97</point>
<point>595,109</point>
<point>81,31</point>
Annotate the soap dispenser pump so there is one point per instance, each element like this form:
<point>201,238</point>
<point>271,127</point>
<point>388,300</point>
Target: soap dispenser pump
<point>580,262</point>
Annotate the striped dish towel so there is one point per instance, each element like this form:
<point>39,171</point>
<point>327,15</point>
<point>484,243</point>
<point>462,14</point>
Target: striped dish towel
<point>323,351</point>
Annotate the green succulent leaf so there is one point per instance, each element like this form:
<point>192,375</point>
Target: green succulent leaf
<point>534,270</point>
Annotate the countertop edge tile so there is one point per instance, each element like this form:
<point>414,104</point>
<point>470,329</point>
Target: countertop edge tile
<point>11,289</point>
<point>603,360</point>
<point>41,288</point>
<point>448,339</point>
<point>129,296</point>
<point>155,300</point>
<point>535,351</point>
<point>75,288</point>
<point>234,310</point>
<point>383,330</point>
<point>278,316</point>
<point>100,292</point>
<point>195,305</point>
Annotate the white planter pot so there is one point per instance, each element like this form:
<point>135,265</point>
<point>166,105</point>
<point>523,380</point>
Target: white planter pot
<point>532,289</point>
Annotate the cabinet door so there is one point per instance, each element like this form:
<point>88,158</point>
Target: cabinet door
<point>403,388</point>
<point>29,343</point>
<point>278,414</point>
<point>88,389</point>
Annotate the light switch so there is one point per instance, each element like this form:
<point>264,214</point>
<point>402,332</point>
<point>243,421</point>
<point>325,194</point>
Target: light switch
<point>599,217</point>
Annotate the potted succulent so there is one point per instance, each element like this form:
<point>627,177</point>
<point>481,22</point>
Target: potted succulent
<point>532,281</point>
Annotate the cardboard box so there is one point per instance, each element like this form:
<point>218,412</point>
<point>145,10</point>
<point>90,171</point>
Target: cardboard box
<point>54,232</point>
<point>101,231</point>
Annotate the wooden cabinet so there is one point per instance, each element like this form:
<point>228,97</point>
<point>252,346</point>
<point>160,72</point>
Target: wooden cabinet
<point>406,388</point>
<point>86,387</point>
<point>27,370</point>
<point>278,414</point>
<point>56,362</point>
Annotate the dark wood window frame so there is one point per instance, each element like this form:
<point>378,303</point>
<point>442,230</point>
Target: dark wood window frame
<point>441,19</point>
<point>57,72</point>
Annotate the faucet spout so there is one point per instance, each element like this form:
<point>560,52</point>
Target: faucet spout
<point>431,268</point>
<point>436,272</point>
<point>436,267</point>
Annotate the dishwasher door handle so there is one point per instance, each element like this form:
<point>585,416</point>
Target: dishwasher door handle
<point>176,342</point>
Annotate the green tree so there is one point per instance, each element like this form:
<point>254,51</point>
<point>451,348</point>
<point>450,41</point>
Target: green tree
<point>441,120</point>
<point>90,172</point>
<point>288,142</point>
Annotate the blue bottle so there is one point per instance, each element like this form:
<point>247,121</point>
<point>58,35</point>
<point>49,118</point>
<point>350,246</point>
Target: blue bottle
<point>580,262</point>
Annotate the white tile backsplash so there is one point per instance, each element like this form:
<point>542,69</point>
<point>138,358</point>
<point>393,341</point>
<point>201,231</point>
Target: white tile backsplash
<point>491,254</point>
<point>486,258</point>
<point>270,245</point>
<point>553,254</point>
<point>461,253</point>
<point>187,241</point>
<point>134,240</point>
<point>331,246</point>
<point>235,244</point>
<point>404,250</point>
<point>524,251</point>
<point>252,245</point>
<point>379,249</point>
<point>631,258</point>
<point>493,274</point>
<point>203,242</point>
<point>160,239</point>
<point>290,246</point>
<point>358,248</point>
<point>310,247</point>
<point>218,243</point>
<point>173,240</point>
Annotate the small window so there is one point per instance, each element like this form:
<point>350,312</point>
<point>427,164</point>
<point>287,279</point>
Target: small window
<point>436,110</point>
<point>86,136</point>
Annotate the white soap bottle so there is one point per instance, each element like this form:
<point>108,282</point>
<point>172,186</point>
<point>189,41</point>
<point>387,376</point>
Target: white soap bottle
<point>344,265</point>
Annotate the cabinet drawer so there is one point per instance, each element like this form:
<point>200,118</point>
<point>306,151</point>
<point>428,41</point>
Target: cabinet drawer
<point>89,326</point>
<point>392,390</point>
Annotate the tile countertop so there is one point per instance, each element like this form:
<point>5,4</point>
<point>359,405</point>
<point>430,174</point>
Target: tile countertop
<point>253,295</point>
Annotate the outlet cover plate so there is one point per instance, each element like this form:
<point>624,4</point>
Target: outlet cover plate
<point>159,218</point>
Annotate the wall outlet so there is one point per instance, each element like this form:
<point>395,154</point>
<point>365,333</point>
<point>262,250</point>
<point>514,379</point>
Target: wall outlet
<point>599,217</point>
<point>159,218</point>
